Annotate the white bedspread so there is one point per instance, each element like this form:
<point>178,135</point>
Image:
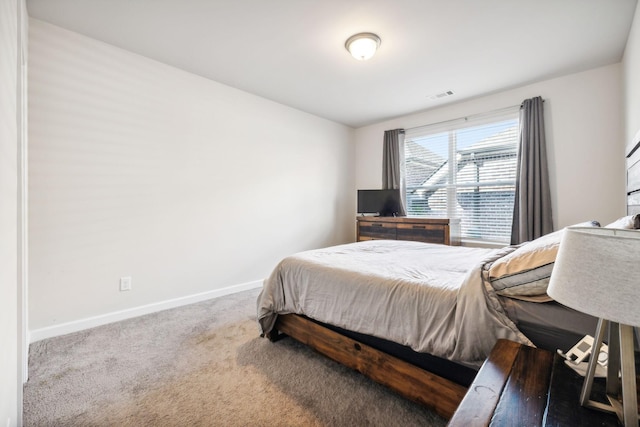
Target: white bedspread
<point>429,297</point>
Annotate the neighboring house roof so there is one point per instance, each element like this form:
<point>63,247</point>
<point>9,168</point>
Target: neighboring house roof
<point>421,163</point>
<point>427,169</point>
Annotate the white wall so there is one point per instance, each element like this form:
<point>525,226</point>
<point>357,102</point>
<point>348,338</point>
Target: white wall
<point>12,24</point>
<point>631,83</point>
<point>583,128</point>
<point>140,169</point>
<point>8,211</point>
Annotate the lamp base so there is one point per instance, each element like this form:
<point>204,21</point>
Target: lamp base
<point>621,359</point>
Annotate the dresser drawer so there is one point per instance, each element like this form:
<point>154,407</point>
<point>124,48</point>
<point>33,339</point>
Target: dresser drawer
<point>377,230</point>
<point>422,233</point>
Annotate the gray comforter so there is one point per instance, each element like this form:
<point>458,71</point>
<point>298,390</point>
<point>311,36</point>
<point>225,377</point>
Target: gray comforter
<point>432,298</point>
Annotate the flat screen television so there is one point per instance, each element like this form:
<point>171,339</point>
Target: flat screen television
<point>381,202</point>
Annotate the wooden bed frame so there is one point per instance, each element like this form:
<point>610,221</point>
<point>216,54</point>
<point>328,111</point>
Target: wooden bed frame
<point>633,185</point>
<point>410,381</point>
<point>633,176</point>
<point>433,391</point>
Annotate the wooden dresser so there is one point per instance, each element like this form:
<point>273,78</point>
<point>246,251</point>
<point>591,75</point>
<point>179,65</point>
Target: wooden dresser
<point>430,230</point>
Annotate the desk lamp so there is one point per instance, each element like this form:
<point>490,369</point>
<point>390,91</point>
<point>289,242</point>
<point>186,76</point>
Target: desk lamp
<point>597,271</point>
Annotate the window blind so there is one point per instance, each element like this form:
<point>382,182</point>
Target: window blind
<point>466,169</point>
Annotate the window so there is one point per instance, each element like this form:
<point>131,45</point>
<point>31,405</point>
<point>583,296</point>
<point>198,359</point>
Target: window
<point>465,169</point>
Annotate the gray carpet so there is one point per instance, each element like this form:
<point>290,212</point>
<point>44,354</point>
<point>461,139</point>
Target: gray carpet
<point>201,365</point>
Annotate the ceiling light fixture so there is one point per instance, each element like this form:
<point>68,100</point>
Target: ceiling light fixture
<point>362,46</point>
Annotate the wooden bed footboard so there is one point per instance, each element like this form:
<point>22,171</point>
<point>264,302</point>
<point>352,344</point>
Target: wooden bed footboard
<point>412,382</point>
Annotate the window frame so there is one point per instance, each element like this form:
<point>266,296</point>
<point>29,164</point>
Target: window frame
<point>500,192</point>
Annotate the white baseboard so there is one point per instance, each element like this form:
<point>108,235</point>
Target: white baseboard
<point>116,316</point>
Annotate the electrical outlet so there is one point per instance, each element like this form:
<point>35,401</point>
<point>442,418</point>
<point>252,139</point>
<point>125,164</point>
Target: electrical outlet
<point>125,283</point>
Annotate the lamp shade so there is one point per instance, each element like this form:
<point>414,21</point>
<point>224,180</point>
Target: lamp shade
<point>362,46</point>
<point>597,271</point>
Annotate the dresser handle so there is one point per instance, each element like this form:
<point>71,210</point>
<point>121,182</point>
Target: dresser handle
<point>376,225</point>
<point>419,226</point>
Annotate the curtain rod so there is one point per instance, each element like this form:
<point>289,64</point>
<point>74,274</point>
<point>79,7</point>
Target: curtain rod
<point>472,116</point>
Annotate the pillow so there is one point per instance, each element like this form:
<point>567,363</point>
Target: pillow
<point>525,272</point>
<point>631,222</point>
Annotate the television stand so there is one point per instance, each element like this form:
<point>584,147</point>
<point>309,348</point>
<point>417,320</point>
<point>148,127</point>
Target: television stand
<point>444,231</point>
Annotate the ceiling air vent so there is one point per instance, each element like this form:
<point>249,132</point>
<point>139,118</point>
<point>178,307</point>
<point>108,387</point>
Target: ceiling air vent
<point>441,95</point>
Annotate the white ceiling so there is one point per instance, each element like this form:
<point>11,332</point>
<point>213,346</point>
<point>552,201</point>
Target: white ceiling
<point>292,51</point>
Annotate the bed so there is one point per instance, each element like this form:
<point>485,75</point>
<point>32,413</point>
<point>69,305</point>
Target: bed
<point>417,317</point>
<point>421,318</point>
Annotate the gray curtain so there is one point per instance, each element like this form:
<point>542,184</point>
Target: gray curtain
<point>393,176</point>
<point>532,210</point>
